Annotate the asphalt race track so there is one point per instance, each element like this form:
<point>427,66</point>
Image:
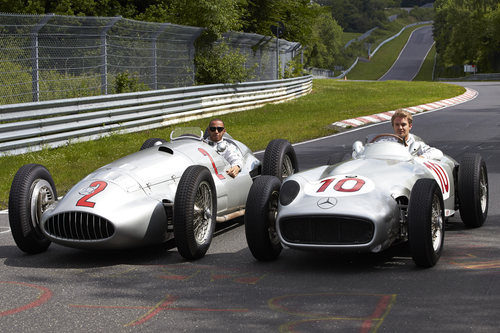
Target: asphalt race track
<point>154,289</point>
<point>407,66</point>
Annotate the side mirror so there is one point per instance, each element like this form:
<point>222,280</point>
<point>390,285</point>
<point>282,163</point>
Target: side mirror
<point>357,149</point>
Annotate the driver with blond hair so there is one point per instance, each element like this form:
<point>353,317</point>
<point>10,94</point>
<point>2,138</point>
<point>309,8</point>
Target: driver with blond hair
<point>402,123</point>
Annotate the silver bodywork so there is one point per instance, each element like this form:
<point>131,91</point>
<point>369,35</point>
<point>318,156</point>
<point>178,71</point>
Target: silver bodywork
<point>359,204</point>
<point>129,202</point>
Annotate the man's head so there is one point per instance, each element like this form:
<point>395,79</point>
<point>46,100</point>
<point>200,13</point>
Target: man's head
<point>216,130</point>
<point>401,123</point>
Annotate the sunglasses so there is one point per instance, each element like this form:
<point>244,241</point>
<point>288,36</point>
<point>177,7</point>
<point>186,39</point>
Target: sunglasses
<point>220,129</point>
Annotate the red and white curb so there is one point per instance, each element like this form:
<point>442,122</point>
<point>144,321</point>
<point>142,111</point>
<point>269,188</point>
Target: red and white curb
<point>386,116</point>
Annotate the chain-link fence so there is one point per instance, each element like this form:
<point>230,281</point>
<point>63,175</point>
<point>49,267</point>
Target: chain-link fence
<point>45,57</point>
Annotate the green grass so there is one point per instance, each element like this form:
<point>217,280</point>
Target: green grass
<point>298,120</point>
<point>380,63</point>
<point>425,73</point>
<point>347,36</point>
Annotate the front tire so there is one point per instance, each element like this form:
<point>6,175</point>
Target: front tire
<point>195,212</point>
<point>31,193</point>
<point>426,222</point>
<point>280,159</point>
<point>473,190</point>
<point>260,218</point>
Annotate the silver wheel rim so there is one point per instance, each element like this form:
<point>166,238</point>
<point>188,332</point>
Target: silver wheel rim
<point>273,212</point>
<point>287,167</point>
<point>203,216</point>
<point>436,223</point>
<point>42,196</point>
<point>483,191</point>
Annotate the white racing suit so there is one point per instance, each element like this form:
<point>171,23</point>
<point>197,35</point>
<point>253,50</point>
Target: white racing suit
<point>229,151</point>
<point>424,149</point>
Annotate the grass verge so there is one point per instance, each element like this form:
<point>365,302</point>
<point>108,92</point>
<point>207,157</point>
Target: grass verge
<point>380,63</point>
<point>298,120</point>
<point>425,73</point>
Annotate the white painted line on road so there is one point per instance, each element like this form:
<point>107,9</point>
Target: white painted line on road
<point>5,231</point>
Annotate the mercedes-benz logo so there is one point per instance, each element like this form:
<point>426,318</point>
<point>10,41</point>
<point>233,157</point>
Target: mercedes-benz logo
<point>327,203</point>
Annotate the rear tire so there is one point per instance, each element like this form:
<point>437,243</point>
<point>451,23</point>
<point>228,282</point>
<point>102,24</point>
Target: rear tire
<point>195,212</point>
<point>152,142</point>
<point>31,192</point>
<point>280,159</point>
<point>426,222</point>
<point>260,218</point>
<point>473,190</point>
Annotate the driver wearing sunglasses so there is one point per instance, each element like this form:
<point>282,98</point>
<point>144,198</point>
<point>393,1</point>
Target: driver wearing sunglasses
<point>225,148</point>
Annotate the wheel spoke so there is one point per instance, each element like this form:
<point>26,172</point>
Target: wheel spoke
<point>42,197</point>
<point>273,212</point>
<point>202,213</point>
<point>287,167</point>
<point>436,223</point>
<point>483,191</point>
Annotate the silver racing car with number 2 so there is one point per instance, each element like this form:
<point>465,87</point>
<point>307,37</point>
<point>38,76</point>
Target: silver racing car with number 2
<point>175,189</point>
<point>383,196</point>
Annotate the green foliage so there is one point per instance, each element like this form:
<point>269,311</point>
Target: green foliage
<point>359,15</point>
<point>325,45</point>
<point>412,3</point>
<point>467,32</point>
<point>423,14</point>
<point>218,63</point>
<point>293,68</point>
<point>124,82</point>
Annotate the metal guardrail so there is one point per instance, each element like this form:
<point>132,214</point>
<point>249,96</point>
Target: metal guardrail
<point>474,77</point>
<point>320,73</point>
<point>33,126</point>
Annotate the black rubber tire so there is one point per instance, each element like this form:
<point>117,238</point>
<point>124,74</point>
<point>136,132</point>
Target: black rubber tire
<point>278,154</point>
<point>472,187</point>
<point>23,224</point>
<point>194,179</point>
<point>260,231</point>
<point>151,142</point>
<point>424,194</point>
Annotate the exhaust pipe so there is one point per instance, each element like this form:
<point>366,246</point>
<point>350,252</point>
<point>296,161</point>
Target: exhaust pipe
<point>231,216</point>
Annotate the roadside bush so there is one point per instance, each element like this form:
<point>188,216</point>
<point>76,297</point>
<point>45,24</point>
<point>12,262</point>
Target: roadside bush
<point>217,63</point>
<point>125,82</point>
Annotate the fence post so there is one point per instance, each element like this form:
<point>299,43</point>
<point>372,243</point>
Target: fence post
<point>104,48</point>
<point>157,34</point>
<point>35,69</point>
<point>192,53</point>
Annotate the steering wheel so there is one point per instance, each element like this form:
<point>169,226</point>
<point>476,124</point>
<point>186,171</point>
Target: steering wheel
<point>388,135</point>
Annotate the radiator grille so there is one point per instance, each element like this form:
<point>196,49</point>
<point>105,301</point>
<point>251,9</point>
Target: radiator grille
<point>79,226</point>
<point>326,230</point>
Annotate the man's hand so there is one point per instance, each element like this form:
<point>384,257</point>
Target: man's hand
<point>233,171</point>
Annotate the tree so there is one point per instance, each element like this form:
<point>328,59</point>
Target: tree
<point>466,32</point>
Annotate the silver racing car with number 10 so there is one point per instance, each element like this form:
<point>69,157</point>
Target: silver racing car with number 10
<point>385,195</point>
<point>175,189</point>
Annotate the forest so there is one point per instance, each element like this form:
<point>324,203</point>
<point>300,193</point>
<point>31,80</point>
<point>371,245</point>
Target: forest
<point>467,32</point>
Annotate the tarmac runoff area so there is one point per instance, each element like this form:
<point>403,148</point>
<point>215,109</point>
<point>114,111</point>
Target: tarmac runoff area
<point>386,116</point>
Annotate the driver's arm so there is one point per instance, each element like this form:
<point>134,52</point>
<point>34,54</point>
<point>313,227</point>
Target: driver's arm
<point>430,152</point>
<point>235,158</point>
